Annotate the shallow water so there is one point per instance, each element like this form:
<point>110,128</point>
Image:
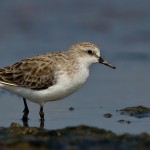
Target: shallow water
<point>122,31</point>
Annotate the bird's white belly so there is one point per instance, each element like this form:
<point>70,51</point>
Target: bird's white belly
<point>65,86</point>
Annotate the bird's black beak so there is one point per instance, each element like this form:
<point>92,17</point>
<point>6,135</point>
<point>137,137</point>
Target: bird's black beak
<point>102,61</point>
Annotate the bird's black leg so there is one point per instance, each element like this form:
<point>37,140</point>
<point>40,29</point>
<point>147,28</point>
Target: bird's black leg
<point>41,113</point>
<point>25,111</point>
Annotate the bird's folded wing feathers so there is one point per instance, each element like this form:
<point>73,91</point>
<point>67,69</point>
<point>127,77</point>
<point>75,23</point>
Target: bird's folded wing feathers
<point>28,73</point>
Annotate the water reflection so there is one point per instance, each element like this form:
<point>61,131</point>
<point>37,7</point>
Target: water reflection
<point>26,123</point>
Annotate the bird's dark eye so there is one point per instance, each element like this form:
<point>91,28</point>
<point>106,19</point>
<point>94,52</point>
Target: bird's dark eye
<point>90,52</point>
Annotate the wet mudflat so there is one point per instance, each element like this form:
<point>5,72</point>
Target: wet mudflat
<point>69,138</point>
<point>76,137</point>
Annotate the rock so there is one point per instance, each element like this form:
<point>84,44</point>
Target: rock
<point>122,121</point>
<point>71,108</point>
<point>70,138</point>
<point>107,115</point>
<point>138,112</point>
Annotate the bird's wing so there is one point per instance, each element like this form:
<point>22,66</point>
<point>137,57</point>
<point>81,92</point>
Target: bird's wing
<point>35,73</point>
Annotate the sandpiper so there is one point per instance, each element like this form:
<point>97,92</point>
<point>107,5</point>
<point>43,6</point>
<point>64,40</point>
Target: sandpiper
<point>51,76</point>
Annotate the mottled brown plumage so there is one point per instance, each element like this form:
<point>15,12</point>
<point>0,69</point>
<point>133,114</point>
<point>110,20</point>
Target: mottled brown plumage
<point>35,73</point>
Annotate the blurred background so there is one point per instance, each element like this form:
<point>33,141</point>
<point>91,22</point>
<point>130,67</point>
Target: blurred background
<point>120,28</point>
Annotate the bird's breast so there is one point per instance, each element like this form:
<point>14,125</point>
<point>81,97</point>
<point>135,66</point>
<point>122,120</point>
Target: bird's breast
<point>68,84</point>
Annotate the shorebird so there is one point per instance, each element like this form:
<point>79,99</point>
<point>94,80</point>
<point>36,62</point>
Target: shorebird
<point>51,76</point>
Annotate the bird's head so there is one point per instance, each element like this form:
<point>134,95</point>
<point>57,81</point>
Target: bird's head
<point>88,53</point>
